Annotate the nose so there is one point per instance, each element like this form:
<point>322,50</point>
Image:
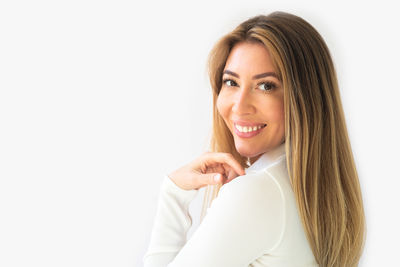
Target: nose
<point>243,102</point>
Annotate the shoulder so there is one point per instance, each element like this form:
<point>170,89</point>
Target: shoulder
<point>270,184</point>
<point>256,203</point>
<point>245,221</point>
<point>251,187</point>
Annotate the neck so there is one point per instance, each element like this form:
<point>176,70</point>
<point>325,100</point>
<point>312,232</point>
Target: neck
<point>253,159</point>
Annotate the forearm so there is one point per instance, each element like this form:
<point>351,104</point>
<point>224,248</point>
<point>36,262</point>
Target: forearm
<point>172,222</point>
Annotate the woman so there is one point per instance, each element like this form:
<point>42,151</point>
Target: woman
<point>280,148</point>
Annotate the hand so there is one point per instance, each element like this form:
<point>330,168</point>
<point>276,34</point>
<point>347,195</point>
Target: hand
<point>210,168</point>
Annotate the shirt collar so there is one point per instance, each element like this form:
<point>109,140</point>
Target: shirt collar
<point>267,159</point>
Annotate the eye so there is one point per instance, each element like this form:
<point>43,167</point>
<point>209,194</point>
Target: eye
<point>267,86</point>
<point>229,82</point>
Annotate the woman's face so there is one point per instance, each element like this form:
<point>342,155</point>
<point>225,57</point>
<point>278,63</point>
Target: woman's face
<point>251,100</point>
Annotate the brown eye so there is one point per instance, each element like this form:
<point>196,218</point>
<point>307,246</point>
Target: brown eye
<point>229,82</point>
<point>267,86</point>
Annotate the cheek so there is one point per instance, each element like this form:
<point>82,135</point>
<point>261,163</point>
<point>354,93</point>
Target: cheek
<point>222,106</point>
<point>280,117</point>
<point>281,112</point>
<point>276,118</point>
<point>275,111</point>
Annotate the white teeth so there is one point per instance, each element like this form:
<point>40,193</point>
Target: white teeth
<point>247,129</point>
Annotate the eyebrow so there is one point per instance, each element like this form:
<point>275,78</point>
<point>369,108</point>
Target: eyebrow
<point>258,76</point>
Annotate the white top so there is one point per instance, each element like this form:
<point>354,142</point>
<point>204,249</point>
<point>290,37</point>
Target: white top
<point>253,222</point>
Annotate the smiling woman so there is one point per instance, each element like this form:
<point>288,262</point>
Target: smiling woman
<point>282,187</point>
<point>252,97</point>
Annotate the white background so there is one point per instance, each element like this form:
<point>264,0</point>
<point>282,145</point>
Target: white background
<point>100,99</point>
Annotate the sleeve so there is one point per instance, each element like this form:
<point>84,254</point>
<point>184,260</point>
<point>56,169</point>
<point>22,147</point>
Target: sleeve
<point>244,222</point>
<point>172,221</point>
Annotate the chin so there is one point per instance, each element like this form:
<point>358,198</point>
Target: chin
<point>246,152</point>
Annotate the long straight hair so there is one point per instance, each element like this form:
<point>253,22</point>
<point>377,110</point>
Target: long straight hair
<point>320,162</point>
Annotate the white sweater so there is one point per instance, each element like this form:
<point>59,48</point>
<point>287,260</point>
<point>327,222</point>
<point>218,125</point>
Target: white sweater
<point>252,222</point>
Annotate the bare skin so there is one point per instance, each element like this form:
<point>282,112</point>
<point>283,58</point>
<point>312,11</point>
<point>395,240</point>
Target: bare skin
<point>202,171</point>
<point>251,93</point>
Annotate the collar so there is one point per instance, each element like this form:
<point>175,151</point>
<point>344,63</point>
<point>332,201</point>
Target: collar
<point>267,159</point>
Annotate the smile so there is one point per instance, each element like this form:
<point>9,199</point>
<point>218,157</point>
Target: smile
<point>248,131</point>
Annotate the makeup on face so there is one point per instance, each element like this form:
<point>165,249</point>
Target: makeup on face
<point>251,99</point>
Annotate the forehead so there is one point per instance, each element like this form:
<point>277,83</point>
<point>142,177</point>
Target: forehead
<point>246,57</point>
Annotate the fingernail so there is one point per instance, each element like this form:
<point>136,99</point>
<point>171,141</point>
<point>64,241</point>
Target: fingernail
<point>216,177</point>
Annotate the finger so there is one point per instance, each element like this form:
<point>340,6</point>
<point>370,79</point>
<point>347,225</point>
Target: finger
<point>224,158</point>
<point>210,179</point>
<point>218,169</point>
<point>224,170</point>
<point>229,170</point>
<point>231,175</point>
<point>217,178</point>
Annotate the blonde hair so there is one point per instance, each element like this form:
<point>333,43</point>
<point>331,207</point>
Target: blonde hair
<point>319,157</point>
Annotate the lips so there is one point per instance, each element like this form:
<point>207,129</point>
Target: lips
<point>248,129</point>
<point>247,123</point>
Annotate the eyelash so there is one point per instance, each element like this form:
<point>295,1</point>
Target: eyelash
<point>272,85</point>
